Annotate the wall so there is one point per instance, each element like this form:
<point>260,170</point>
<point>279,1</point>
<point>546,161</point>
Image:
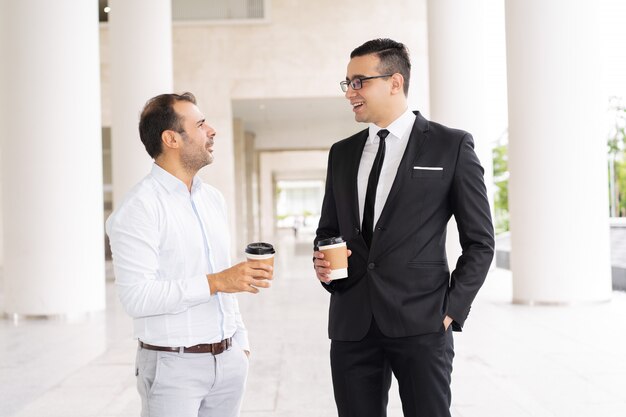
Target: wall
<point>302,51</point>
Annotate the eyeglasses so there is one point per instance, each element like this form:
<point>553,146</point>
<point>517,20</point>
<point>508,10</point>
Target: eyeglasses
<point>357,83</point>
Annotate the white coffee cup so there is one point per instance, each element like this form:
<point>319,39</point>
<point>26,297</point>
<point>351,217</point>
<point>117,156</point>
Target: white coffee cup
<point>335,251</point>
<point>260,251</point>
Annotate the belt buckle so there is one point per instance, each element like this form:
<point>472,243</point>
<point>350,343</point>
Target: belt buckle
<point>213,348</point>
<point>218,348</point>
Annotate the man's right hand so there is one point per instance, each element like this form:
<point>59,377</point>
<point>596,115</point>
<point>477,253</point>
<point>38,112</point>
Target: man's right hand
<point>246,276</point>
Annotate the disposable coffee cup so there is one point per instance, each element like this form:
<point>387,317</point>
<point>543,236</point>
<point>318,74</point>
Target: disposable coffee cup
<point>261,251</point>
<point>336,252</point>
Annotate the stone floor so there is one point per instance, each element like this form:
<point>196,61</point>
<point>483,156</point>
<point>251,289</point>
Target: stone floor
<point>511,360</point>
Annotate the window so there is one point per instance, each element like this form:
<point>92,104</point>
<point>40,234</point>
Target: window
<point>207,10</point>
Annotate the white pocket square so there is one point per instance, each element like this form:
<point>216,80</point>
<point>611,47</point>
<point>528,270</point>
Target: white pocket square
<point>429,168</point>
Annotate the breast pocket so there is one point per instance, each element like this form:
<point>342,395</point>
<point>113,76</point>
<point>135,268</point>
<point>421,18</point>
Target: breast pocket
<point>427,172</point>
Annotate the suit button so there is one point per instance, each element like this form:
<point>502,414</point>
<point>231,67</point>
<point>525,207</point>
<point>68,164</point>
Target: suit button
<point>356,230</point>
<point>371,265</point>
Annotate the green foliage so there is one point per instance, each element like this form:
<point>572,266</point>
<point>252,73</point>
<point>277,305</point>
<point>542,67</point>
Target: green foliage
<point>501,180</point>
<point>616,144</point>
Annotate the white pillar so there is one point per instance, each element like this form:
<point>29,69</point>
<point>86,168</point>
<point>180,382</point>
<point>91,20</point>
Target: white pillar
<point>557,153</point>
<point>3,38</point>
<point>466,58</point>
<point>3,127</point>
<point>240,209</point>
<point>252,188</point>
<point>52,159</point>
<point>141,68</point>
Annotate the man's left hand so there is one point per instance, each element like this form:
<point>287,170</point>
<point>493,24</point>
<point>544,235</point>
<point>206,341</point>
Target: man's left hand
<point>447,322</point>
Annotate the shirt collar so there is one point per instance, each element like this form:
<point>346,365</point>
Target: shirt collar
<point>397,128</point>
<point>171,183</point>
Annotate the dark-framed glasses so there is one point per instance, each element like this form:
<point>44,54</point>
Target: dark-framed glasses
<point>357,83</point>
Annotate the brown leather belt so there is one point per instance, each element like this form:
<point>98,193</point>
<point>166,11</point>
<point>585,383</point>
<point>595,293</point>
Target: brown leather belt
<point>214,348</point>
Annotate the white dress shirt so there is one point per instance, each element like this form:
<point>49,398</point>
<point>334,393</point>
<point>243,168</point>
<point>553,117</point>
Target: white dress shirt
<point>395,145</point>
<point>165,240</point>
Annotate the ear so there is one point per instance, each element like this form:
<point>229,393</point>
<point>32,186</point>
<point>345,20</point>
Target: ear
<point>397,83</point>
<point>170,139</point>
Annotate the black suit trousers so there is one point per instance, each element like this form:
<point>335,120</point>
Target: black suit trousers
<point>361,373</point>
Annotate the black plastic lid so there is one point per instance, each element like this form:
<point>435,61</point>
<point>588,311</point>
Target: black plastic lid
<point>260,248</point>
<point>330,241</point>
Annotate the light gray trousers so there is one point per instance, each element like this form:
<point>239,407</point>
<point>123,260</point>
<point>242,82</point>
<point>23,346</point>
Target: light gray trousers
<point>191,384</point>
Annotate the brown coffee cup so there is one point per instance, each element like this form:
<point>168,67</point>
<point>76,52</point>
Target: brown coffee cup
<point>261,251</point>
<point>336,252</point>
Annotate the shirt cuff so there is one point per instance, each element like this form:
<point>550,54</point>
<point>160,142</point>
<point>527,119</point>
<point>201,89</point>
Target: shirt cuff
<point>198,290</point>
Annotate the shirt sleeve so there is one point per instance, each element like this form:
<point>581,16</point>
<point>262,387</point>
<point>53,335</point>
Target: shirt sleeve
<point>241,334</point>
<point>134,237</point>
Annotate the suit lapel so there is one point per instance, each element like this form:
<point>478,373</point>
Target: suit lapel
<point>352,162</point>
<point>411,153</point>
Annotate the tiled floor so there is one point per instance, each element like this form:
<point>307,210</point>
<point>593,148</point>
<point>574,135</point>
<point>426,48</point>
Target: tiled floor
<point>511,361</point>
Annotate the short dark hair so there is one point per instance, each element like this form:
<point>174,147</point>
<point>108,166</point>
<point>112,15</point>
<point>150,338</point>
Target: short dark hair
<point>394,57</point>
<point>157,116</point>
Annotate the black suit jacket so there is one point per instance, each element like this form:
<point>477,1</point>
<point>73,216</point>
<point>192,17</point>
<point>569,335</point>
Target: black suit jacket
<point>403,280</point>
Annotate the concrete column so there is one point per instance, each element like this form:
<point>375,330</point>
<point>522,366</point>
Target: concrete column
<point>240,209</point>
<point>252,179</point>
<point>4,36</point>
<point>467,79</point>
<point>52,159</point>
<point>141,67</point>
<point>2,126</point>
<point>557,153</point>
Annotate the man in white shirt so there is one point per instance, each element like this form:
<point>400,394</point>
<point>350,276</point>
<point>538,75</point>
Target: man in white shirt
<point>170,245</point>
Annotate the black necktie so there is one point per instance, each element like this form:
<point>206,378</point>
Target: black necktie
<point>372,184</point>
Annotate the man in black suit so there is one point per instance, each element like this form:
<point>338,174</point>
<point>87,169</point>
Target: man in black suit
<point>390,192</point>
